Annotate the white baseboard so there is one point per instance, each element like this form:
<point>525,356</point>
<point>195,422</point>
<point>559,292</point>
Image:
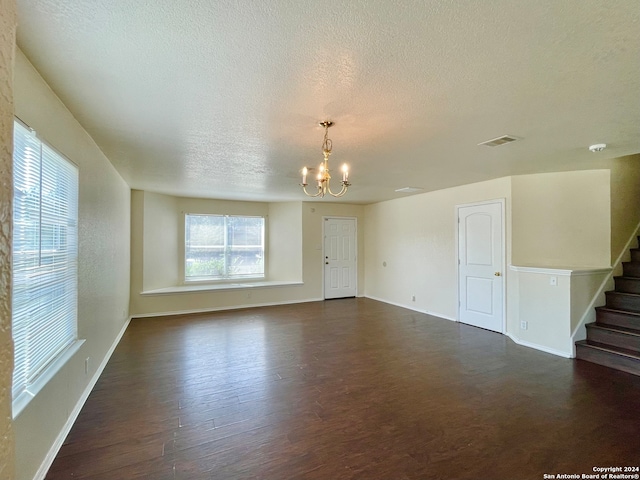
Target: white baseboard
<point>409,307</point>
<point>220,309</point>
<point>542,348</point>
<point>57,444</point>
<point>440,315</point>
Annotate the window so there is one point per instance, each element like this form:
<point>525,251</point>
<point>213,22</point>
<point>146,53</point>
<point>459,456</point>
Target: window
<point>45,258</point>
<point>223,247</point>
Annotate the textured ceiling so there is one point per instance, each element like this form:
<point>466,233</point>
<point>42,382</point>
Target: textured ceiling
<point>221,99</point>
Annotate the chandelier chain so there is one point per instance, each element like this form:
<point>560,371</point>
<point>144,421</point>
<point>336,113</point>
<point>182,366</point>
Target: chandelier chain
<point>326,144</point>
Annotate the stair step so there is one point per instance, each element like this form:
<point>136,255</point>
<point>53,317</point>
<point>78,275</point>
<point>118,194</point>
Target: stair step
<point>617,318</point>
<point>627,284</point>
<point>631,269</point>
<point>626,338</point>
<point>623,301</point>
<point>614,339</point>
<point>612,357</point>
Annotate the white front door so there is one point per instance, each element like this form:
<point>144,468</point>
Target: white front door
<point>481,265</point>
<point>340,267</point>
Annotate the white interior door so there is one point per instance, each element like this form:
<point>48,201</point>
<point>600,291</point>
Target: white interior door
<point>481,265</point>
<point>340,262</point>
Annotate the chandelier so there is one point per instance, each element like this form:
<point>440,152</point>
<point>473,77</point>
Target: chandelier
<point>324,178</point>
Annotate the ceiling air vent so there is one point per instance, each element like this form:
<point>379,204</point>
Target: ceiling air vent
<point>496,142</point>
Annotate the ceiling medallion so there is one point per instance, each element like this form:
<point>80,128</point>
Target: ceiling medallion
<point>324,178</point>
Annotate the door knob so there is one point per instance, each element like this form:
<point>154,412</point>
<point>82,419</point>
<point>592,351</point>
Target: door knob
<point>497,274</point>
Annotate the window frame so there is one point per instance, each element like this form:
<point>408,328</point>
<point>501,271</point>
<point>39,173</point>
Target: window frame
<point>226,277</point>
<point>53,208</point>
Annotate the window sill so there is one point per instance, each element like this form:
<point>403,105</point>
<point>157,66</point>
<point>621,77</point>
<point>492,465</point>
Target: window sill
<point>47,374</point>
<point>179,289</point>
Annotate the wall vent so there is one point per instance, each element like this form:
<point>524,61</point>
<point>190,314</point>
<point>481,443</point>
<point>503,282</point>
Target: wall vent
<point>496,142</point>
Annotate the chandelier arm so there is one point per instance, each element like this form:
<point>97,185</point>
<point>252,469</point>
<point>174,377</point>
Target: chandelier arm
<point>345,186</point>
<point>318,194</point>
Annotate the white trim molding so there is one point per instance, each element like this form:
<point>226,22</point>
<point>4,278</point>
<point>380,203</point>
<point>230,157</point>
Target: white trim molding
<point>226,307</point>
<point>542,348</point>
<point>205,288</point>
<point>413,309</point>
<point>47,374</point>
<point>561,271</point>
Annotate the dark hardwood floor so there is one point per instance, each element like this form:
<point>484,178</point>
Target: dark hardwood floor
<point>344,389</point>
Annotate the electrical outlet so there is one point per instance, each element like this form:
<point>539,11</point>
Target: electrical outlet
<point>413,298</point>
<point>524,325</point>
<point>553,281</point>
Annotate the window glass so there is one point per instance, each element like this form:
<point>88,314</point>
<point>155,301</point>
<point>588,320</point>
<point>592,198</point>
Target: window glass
<point>223,246</point>
<point>45,257</point>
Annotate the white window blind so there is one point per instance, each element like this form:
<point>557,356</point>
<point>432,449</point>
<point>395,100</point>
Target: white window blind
<point>223,246</point>
<point>45,257</point>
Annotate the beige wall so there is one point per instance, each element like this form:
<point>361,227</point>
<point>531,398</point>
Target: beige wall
<point>103,266</point>
<point>625,202</point>
<point>416,237</point>
<point>137,246</point>
<point>585,289</point>
<point>294,246</point>
<point>285,241</point>
<point>160,254</point>
<point>553,312</point>
<point>562,219</point>
<point>545,308</point>
<point>7,41</point>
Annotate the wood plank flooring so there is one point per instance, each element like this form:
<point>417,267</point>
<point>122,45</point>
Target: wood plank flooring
<point>344,389</point>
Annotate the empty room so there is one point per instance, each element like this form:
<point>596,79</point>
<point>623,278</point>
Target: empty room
<point>292,240</point>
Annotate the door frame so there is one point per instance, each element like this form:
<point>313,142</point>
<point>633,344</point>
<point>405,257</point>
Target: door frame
<point>324,222</point>
<point>503,255</point>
